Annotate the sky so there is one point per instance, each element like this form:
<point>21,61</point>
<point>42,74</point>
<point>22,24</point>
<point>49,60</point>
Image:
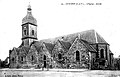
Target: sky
<point>54,19</point>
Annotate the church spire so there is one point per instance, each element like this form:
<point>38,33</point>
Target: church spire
<point>29,17</point>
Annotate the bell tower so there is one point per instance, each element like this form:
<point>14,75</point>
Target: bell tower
<point>29,28</point>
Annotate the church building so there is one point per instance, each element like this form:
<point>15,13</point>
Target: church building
<point>82,50</point>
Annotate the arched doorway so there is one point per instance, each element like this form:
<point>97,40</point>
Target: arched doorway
<point>77,55</point>
<point>44,59</point>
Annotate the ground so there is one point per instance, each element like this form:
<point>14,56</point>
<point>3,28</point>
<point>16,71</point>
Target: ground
<point>57,73</point>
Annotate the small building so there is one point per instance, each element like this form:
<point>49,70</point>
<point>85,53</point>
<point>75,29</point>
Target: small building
<point>117,63</point>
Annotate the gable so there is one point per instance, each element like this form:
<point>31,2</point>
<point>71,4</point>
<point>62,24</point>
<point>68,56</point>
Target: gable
<point>32,50</point>
<point>38,46</point>
<point>45,51</point>
<point>58,45</point>
<point>82,45</point>
<point>24,50</point>
<point>58,48</point>
<point>13,52</point>
<point>77,45</point>
<point>49,46</point>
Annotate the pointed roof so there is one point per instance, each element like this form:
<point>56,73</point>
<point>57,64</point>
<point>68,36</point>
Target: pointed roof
<point>49,46</point>
<point>87,45</point>
<point>91,36</point>
<point>25,49</point>
<point>37,45</point>
<point>66,45</point>
<point>14,50</point>
<point>29,17</point>
<point>100,38</point>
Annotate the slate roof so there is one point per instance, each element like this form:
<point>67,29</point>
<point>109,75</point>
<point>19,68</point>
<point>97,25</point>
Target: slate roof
<point>87,45</point>
<point>90,36</point>
<point>49,46</point>
<point>100,39</point>
<point>38,45</point>
<point>66,45</point>
<point>87,37</point>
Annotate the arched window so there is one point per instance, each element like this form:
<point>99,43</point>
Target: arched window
<point>32,32</point>
<point>25,32</point>
<point>59,56</point>
<point>21,58</point>
<point>13,59</point>
<point>44,57</point>
<point>32,57</point>
<point>77,56</point>
<point>102,53</point>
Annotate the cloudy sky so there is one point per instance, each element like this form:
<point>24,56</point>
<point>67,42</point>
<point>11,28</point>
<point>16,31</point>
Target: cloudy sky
<point>54,20</point>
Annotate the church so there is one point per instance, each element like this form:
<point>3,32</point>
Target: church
<point>82,50</point>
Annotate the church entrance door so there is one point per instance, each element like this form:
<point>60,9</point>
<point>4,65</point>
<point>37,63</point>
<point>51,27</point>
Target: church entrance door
<point>44,64</point>
<point>44,61</point>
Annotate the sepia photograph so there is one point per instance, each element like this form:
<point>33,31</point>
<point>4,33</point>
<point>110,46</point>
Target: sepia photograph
<point>59,38</point>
